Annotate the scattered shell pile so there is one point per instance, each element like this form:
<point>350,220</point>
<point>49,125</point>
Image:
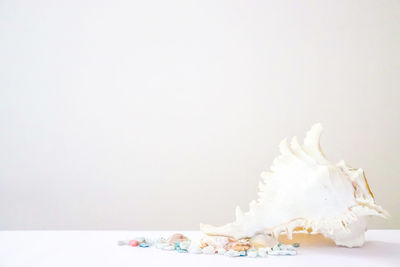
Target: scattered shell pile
<point>257,246</point>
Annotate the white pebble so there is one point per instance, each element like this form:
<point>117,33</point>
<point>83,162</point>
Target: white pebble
<point>150,241</point>
<point>221,251</point>
<point>262,252</point>
<point>290,247</point>
<point>162,245</point>
<point>208,250</point>
<point>184,244</point>
<point>232,253</point>
<point>160,241</point>
<point>252,253</point>
<point>276,248</point>
<point>194,248</point>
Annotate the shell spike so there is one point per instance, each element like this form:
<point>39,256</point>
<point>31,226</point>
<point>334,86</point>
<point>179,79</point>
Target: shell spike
<point>312,144</point>
<point>284,147</point>
<point>239,214</point>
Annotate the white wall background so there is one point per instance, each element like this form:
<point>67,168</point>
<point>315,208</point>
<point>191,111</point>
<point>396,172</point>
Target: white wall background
<point>162,114</point>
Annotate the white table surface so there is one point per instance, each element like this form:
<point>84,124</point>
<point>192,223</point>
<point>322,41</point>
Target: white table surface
<point>99,248</point>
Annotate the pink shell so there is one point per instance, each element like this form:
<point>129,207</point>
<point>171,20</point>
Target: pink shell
<point>133,243</point>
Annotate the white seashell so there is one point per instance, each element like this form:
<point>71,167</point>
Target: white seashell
<point>208,250</point>
<point>184,244</point>
<point>232,253</point>
<point>252,253</point>
<point>160,240</point>
<point>305,193</point>
<point>262,252</point>
<point>150,241</point>
<point>161,245</point>
<point>221,251</point>
<point>194,248</point>
<point>290,247</point>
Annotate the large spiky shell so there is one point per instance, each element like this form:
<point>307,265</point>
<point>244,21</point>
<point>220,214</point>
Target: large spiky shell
<point>305,193</point>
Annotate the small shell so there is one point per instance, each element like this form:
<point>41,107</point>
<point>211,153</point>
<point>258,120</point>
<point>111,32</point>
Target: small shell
<point>221,251</point>
<point>232,253</point>
<point>252,253</point>
<point>208,250</point>
<point>161,245</point>
<point>184,244</point>
<point>134,243</point>
<point>262,252</point>
<point>277,247</point>
<point>290,247</point>
<point>144,245</point>
<point>194,248</point>
<point>176,238</point>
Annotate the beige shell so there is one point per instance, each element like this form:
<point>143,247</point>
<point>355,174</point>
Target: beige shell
<point>176,238</point>
<point>305,193</point>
